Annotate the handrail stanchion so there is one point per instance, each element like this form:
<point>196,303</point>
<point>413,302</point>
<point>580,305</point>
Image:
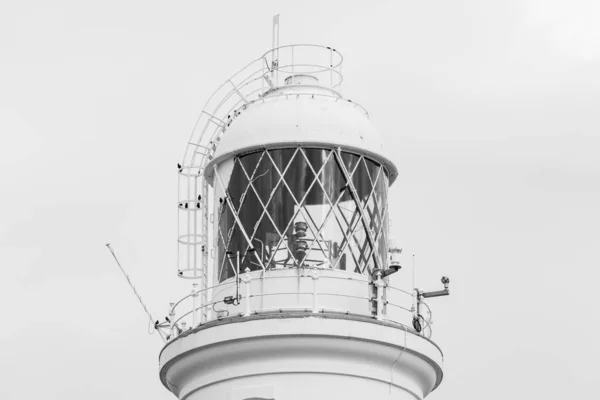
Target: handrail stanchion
<point>262,81</point>
<point>330,67</point>
<point>379,284</point>
<point>339,89</point>
<point>246,279</point>
<point>315,276</point>
<point>194,311</point>
<point>172,327</point>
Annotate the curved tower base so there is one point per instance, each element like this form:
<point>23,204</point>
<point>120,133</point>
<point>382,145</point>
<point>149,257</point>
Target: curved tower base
<point>300,356</point>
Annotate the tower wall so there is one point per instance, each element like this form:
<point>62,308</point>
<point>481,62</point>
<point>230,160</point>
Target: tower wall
<point>292,357</point>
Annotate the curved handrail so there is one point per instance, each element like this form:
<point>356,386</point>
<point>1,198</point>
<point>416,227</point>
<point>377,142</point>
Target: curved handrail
<point>261,72</point>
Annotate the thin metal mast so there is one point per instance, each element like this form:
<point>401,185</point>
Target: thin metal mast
<point>135,291</point>
<point>275,52</point>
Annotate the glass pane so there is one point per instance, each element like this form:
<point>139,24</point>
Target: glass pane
<point>308,218</point>
<point>333,181</point>
<point>316,157</point>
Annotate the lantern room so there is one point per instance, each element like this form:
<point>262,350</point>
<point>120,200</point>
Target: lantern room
<point>284,230</point>
<point>298,183</point>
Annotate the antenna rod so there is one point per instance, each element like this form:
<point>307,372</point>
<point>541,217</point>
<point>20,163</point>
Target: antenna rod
<point>275,31</point>
<point>134,291</point>
<point>275,50</point>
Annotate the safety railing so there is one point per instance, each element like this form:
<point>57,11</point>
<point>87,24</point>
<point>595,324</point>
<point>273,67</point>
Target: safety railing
<point>310,290</point>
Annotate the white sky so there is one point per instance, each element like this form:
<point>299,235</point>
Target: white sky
<point>491,110</point>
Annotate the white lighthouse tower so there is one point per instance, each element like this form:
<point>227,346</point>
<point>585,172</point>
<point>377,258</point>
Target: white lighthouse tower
<point>284,233</point>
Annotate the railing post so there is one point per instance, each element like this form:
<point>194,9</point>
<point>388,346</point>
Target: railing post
<point>314,274</point>
<point>172,320</point>
<point>379,284</point>
<point>246,278</point>
<point>415,295</point>
<point>330,67</point>
<point>194,311</point>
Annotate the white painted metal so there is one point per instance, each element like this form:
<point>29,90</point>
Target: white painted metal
<point>306,327</point>
<point>303,116</point>
<point>301,357</point>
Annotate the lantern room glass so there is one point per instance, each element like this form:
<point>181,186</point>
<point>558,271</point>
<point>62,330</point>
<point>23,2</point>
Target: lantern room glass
<point>303,207</point>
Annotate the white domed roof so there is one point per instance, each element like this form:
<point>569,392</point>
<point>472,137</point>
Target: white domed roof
<point>291,118</point>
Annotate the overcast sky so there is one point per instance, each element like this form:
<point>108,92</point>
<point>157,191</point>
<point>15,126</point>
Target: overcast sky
<point>490,110</point>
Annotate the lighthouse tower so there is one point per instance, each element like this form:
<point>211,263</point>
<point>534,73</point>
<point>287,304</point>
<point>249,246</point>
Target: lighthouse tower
<point>283,219</point>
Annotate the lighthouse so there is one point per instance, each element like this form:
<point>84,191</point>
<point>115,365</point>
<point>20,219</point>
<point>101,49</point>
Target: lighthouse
<point>284,237</point>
